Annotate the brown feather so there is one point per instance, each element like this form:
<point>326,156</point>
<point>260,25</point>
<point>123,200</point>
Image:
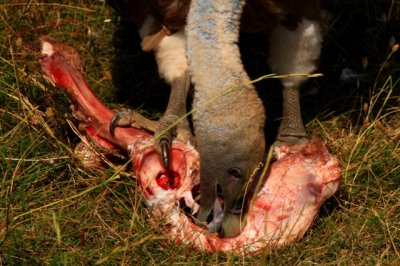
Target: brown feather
<point>169,17</point>
<point>258,15</point>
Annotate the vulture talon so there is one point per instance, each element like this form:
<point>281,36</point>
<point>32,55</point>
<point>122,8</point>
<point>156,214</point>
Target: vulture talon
<point>113,124</point>
<point>165,146</point>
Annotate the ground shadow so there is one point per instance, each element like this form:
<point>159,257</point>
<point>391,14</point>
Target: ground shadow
<point>135,72</point>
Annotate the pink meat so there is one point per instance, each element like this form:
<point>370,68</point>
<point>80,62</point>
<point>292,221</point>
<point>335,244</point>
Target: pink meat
<point>282,210</point>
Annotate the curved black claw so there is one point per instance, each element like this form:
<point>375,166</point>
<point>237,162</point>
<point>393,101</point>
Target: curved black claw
<point>113,124</point>
<point>165,146</point>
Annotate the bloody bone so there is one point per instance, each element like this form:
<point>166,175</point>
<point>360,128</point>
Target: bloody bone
<point>65,73</point>
<point>280,212</point>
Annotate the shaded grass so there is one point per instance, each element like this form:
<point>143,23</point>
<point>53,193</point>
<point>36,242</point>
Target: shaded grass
<point>55,211</point>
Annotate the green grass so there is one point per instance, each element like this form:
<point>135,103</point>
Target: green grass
<point>55,211</point>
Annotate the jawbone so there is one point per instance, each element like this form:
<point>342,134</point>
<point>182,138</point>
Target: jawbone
<point>280,212</point>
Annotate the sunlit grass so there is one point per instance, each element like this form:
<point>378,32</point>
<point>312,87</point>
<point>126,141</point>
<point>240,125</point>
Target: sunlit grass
<point>55,211</point>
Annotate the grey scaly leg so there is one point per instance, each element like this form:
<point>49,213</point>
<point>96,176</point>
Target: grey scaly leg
<point>172,65</point>
<point>294,51</point>
<point>291,128</point>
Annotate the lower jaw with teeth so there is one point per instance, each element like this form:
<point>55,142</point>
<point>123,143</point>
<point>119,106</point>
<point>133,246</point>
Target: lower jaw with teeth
<point>223,225</point>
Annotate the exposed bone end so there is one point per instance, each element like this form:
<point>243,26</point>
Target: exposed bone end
<point>47,47</point>
<point>70,54</point>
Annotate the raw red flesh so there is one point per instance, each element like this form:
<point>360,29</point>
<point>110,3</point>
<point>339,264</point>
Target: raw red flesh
<point>87,107</point>
<point>283,209</point>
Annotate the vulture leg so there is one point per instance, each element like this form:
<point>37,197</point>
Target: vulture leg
<point>294,51</point>
<point>172,65</point>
